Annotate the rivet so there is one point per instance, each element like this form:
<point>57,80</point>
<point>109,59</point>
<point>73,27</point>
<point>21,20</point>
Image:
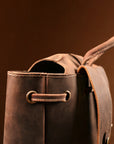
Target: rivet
<point>68,96</point>
<point>28,97</point>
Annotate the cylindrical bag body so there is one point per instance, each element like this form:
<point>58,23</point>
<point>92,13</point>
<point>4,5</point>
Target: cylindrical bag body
<point>40,122</point>
<point>58,101</point>
<point>43,122</point>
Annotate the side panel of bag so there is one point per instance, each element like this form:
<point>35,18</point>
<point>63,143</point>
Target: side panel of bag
<point>39,123</point>
<point>23,121</point>
<point>60,117</point>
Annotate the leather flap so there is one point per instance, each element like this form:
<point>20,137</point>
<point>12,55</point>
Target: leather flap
<point>100,87</point>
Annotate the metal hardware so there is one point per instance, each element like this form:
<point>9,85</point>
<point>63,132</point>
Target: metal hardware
<point>28,97</point>
<point>68,96</point>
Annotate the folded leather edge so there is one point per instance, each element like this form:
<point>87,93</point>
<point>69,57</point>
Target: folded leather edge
<point>96,98</point>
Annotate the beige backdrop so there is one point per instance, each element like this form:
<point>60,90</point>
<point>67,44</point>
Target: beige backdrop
<point>33,29</point>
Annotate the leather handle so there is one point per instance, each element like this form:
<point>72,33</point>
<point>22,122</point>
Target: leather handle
<point>92,55</point>
<point>33,97</point>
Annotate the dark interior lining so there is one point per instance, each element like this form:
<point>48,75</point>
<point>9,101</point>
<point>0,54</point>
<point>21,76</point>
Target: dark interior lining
<point>48,67</point>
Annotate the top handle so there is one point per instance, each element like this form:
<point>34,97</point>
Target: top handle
<point>92,55</point>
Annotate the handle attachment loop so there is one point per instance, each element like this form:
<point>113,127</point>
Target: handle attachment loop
<point>33,97</point>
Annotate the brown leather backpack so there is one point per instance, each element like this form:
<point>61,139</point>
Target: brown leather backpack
<point>62,99</point>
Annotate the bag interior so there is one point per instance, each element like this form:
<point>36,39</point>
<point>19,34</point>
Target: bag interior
<point>47,67</point>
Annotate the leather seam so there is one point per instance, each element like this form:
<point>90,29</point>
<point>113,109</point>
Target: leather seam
<point>50,76</point>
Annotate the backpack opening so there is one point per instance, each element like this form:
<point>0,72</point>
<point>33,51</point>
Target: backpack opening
<point>48,67</point>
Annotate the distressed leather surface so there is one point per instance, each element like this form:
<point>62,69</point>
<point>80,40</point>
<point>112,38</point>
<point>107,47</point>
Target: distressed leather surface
<point>85,119</point>
<point>59,123</point>
<point>41,122</point>
<point>23,122</point>
<point>101,93</point>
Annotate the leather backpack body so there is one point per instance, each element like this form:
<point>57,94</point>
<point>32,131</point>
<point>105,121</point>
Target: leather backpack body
<point>62,99</point>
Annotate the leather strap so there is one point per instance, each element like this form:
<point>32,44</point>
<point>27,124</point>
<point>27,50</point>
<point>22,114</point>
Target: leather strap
<point>99,82</point>
<point>100,86</point>
<point>33,97</point>
<point>92,55</point>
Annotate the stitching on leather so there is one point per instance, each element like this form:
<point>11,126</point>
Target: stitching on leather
<point>42,75</point>
<point>43,113</point>
<point>46,91</point>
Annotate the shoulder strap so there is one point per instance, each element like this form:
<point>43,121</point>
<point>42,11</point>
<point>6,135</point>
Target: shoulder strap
<point>92,55</point>
<point>100,86</point>
<point>102,96</point>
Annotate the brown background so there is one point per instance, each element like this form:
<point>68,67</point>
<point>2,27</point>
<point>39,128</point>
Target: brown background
<point>33,29</point>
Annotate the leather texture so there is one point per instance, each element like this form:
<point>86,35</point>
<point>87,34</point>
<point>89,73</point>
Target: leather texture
<point>41,122</point>
<point>102,100</point>
<point>85,118</point>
